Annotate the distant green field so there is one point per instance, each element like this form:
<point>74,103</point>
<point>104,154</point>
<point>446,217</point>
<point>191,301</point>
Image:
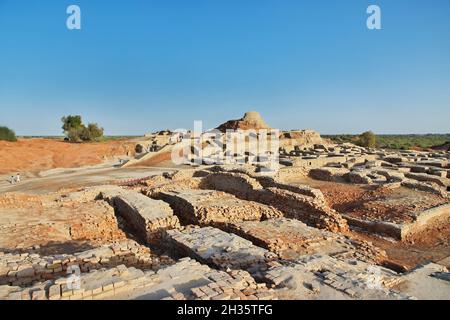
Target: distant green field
<point>403,142</point>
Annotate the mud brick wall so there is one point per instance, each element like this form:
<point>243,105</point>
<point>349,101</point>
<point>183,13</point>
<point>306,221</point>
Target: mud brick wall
<point>190,280</point>
<point>148,217</point>
<point>204,207</point>
<point>99,284</point>
<point>239,184</point>
<point>280,235</point>
<point>443,182</point>
<point>237,285</point>
<point>307,209</point>
<point>312,210</point>
<point>328,174</point>
<point>425,186</point>
<point>24,269</point>
<point>155,187</point>
<point>269,182</point>
<point>94,225</point>
<point>217,248</point>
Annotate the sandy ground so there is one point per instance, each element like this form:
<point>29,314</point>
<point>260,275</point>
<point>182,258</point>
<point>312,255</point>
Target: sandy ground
<point>33,155</point>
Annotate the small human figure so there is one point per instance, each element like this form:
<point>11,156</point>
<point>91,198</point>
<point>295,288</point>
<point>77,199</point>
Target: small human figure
<point>12,180</point>
<point>18,178</point>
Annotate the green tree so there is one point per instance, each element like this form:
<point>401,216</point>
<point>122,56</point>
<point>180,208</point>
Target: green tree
<point>71,122</point>
<point>7,134</point>
<point>95,131</point>
<point>367,140</point>
<point>76,131</point>
<point>74,134</point>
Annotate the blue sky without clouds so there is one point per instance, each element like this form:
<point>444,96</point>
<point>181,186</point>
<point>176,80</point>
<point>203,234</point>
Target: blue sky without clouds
<point>139,66</point>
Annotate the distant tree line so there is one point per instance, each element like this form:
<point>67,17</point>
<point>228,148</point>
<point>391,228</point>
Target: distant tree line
<point>76,131</point>
<point>396,141</point>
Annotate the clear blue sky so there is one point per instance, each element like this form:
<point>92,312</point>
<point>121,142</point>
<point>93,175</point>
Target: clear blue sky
<point>139,66</point>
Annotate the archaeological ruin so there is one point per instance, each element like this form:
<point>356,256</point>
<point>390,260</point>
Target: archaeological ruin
<point>332,221</point>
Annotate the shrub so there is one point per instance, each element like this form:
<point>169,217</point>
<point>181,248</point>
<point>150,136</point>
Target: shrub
<point>367,139</point>
<point>74,134</point>
<point>95,131</point>
<point>76,131</point>
<point>7,134</point>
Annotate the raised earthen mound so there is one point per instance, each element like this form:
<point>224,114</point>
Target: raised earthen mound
<point>251,120</point>
<point>39,154</point>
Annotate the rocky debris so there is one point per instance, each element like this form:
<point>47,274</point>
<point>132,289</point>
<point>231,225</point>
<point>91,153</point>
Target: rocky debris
<point>445,262</point>
<point>148,217</point>
<point>426,282</point>
<point>19,269</point>
<point>218,249</point>
<point>204,207</point>
<point>325,277</point>
<point>239,286</point>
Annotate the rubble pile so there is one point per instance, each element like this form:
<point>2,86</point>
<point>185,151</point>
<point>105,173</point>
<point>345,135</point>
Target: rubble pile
<point>325,277</point>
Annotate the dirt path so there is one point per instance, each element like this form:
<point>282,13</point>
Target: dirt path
<point>80,178</point>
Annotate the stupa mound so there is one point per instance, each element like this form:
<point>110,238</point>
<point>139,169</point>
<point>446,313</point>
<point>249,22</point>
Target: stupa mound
<point>251,120</point>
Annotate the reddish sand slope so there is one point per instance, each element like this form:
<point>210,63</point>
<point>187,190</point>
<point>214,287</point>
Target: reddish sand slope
<point>42,154</point>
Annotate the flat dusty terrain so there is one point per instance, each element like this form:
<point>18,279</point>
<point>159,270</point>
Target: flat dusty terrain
<point>31,155</point>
